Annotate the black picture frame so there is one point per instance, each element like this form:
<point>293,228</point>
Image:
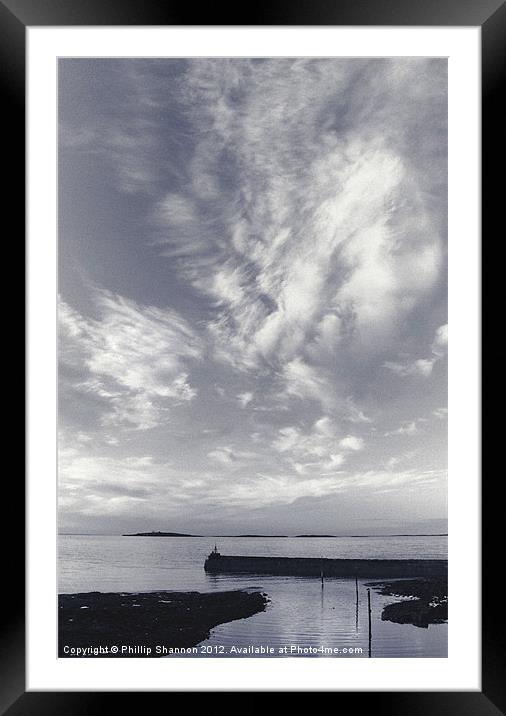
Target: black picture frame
<point>490,15</point>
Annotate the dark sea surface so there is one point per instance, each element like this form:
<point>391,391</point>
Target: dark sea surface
<point>299,614</point>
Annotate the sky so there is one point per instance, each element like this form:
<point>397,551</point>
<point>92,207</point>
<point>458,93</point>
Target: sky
<point>253,295</point>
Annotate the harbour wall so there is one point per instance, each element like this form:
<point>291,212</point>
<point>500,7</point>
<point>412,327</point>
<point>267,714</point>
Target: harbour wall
<point>315,567</point>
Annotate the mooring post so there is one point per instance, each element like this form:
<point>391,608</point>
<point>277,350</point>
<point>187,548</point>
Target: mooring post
<point>356,603</point>
<point>369,610</point>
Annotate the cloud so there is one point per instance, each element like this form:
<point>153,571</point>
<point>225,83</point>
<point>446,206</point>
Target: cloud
<point>223,455</point>
<point>126,150</point>
<point>319,450</point>
<point>131,357</point>
<point>300,202</point>
<point>116,487</point>
<point>231,457</point>
<point>115,123</point>
<point>176,210</point>
<point>350,442</point>
<point>307,230</point>
<point>303,381</point>
<point>407,428</point>
<point>113,486</point>
<point>245,398</point>
<point>440,343</point>
<point>423,366</point>
<point>354,414</point>
<point>440,413</point>
<point>395,460</point>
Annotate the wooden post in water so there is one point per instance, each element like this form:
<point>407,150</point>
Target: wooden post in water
<point>369,610</point>
<point>356,604</point>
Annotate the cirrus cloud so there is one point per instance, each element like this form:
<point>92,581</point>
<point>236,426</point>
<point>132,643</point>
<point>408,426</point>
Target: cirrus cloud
<point>132,357</point>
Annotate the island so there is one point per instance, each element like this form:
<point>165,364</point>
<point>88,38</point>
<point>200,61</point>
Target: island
<point>146,624</point>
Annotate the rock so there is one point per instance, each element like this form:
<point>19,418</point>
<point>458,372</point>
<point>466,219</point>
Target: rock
<point>172,619</point>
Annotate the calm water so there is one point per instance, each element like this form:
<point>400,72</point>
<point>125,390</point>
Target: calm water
<point>299,613</point>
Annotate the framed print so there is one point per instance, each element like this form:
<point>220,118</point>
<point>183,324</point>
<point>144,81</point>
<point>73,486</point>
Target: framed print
<point>253,261</point>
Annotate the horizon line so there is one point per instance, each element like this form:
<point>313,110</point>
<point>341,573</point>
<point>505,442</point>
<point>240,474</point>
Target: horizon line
<point>279,536</point>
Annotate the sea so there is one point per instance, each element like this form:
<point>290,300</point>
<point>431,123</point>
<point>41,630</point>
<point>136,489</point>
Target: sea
<point>302,619</point>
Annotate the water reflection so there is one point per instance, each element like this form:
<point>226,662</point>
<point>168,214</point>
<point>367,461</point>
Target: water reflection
<point>291,619</point>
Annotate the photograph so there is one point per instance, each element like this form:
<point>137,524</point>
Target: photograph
<point>253,458</point>
<point>252,357</point>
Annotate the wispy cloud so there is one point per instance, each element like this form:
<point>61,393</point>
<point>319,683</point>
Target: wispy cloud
<point>305,382</point>
<point>112,487</point>
<point>132,357</point>
<point>319,228</point>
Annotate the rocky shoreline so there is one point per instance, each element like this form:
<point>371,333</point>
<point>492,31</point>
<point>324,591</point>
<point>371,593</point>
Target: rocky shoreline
<point>426,602</point>
<point>96,624</point>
